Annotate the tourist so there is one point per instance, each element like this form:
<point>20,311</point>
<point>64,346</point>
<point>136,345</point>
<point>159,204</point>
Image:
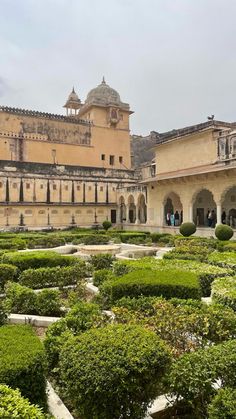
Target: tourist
<point>176,218</point>
<point>209,218</point>
<point>168,215</point>
<point>213,219</point>
<point>172,219</point>
<point>223,217</point>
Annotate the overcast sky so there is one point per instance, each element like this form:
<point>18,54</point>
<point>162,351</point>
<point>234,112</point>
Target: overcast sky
<point>174,61</point>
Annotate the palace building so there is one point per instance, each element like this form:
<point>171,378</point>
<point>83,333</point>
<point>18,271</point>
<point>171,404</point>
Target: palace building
<point>61,170</point>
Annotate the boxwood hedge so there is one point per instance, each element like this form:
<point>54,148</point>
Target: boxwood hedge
<point>22,362</point>
<point>14,406</point>
<point>26,260</point>
<point>169,283</point>
<point>224,291</point>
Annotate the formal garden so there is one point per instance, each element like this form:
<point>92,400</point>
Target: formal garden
<point>127,318</point>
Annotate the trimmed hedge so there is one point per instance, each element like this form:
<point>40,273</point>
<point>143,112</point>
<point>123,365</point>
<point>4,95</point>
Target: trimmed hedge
<point>223,405</point>
<point>114,372</point>
<point>22,362</point>
<point>127,236</point>
<point>95,239</point>
<point>224,291</point>
<point>23,300</point>
<point>7,273</point>
<point>46,242</point>
<point>26,260</point>
<point>14,244</point>
<point>224,232</point>
<point>101,276</point>
<point>224,259</point>
<point>170,283</point>
<point>14,406</point>
<point>102,261</point>
<point>53,277</point>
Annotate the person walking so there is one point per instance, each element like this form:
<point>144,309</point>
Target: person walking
<point>177,218</point>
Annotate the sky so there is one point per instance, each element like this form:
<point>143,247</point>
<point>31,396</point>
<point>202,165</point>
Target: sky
<point>173,61</point>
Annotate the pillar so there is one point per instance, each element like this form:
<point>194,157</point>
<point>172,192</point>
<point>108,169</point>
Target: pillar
<point>191,212</point>
<point>218,212</point>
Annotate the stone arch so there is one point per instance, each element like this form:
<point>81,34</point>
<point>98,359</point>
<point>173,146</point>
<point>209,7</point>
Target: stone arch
<point>122,209</point>
<point>141,209</point>
<point>173,209</point>
<point>131,209</point>
<point>203,204</point>
<point>228,200</point>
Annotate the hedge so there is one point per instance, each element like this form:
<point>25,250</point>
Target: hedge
<point>53,277</point>
<point>23,300</point>
<point>224,291</point>
<point>14,244</point>
<point>26,260</point>
<point>114,372</point>
<point>46,242</point>
<point>102,261</point>
<point>223,405</point>
<point>22,362</point>
<point>206,273</point>
<point>194,375</point>
<point>14,406</point>
<point>7,273</point>
<point>100,276</point>
<point>227,259</point>
<point>170,283</point>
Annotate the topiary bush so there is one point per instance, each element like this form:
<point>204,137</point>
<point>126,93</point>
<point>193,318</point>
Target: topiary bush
<point>126,361</point>
<point>168,284</point>
<point>101,261</point>
<point>106,225</point>
<point>224,292</point>
<point>14,406</point>
<point>83,316</point>
<point>187,229</point>
<point>54,277</point>
<point>223,405</point>
<point>224,232</point>
<point>7,273</point>
<point>22,362</point>
<point>26,260</point>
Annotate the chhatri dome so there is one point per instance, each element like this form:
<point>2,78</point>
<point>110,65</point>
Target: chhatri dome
<point>104,95</point>
<point>73,103</point>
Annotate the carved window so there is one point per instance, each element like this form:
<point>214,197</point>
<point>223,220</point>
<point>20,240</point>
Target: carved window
<point>112,160</point>
<point>103,157</point>
<point>27,185</point>
<point>54,187</point>
<point>41,186</point>
<point>120,159</point>
<point>78,187</point>
<point>233,147</point>
<point>222,148</point>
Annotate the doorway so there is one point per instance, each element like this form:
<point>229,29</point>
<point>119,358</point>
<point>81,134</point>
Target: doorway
<point>113,216</point>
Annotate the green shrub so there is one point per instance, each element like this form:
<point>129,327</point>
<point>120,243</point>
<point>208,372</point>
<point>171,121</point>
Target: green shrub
<point>224,292</point>
<point>168,284</point>
<point>14,244</point>
<point>126,361</point>
<point>23,300</point>
<point>46,242</point>
<point>52,277</point>
<point>14,406</point>
<point>20,299</point>
<point>101,261</point>
<point>95,239</point>
<point>22,362</point>
<point>228,247</point>
<point>26,260</point>
<point>100,276</point>
<point>223,405</point>
<point>106,225</point>
<point>48,303</point>
<point>224,232</point>
<point>187,229</point>
<point>7,273</point>
<point>126,236</point>
<point>163,238</point>
<point>83,316</point>
<point>193,375</point>
<point>224,259</point>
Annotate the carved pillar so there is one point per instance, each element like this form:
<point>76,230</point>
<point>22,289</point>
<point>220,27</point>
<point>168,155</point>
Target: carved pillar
<point>218,212</point>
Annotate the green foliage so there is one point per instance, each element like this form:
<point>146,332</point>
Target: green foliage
<point>82,317</point>
<point>127,236</point>
<point>22,362</point>
<point>223,405</point>
<point>229,247</point>
<point>162,238</point>
<point>193,375</point>
<point>100,276</point>
<point>95,239</point>
<point>53,277</point>
<point>46,242</point>
<point>186,325</point>
<point>224,291</point>
<point>7,273</point>
<point>106,225</point>
<point>225,259</point>
<point>23,300</point>
<point>101,261</point>
<point>224,232</point>
<point>170,283</point>
<point>27,260</point>
<point>13,244</point>
<point>14,406</point>
<point>114,372</point>
<point>187,229</point>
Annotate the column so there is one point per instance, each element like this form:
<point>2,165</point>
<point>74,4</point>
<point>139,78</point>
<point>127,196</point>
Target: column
<point>218,212</point>
<point>191,212</point>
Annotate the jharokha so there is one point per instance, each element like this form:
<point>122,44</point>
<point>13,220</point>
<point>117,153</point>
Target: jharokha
<point>77,169</point>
